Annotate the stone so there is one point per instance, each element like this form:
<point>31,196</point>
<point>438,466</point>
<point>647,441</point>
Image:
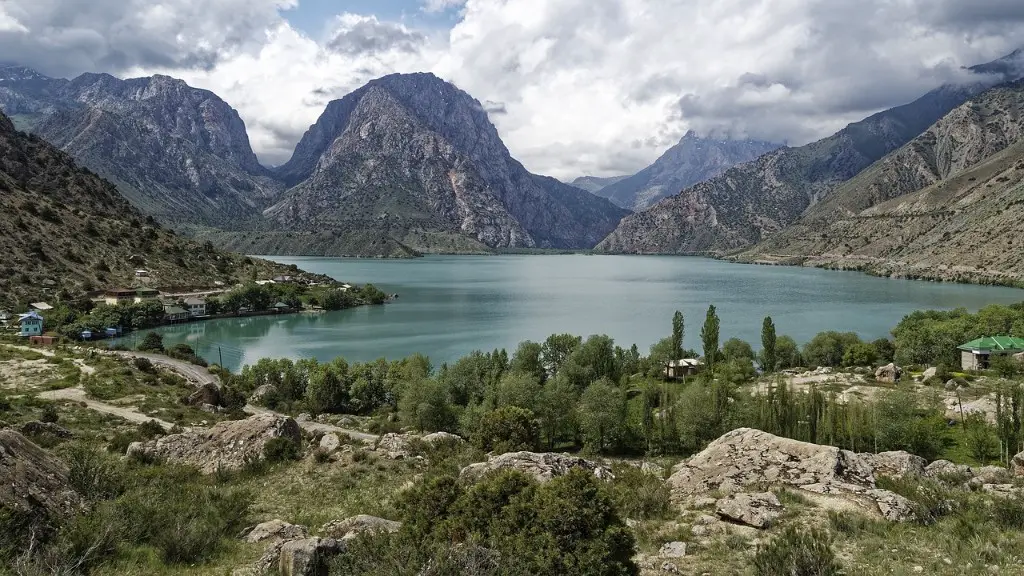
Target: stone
<point>929,374</point>
<point>307,556</point>
<point>893,507</point>
<point>704,502</point>
<point>950,385</point>
<point>303,417</point>
<point>350,528</point>
<point>746,457</point>
<point>278,530</point>
<point>669,567</point>
<point>31,480</point>
<point>37,428</point>
<point>442,437</point>
<point>673,550</point>
<point>1003,490</point>
<point>330,442</point>
<point>653,469</point>
<point>1017,464</point>
<point>758,510</point>
<point>890,373</point>
<point>946,470</point>
<point>394,446</point>
<point>208,393</point>
<point>989,475</point>
<point>541,466</point>
<point>228,445</point>
<point>896,464</point>
<point>262,394</point>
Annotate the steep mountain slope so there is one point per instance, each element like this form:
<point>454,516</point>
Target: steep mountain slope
<point>65,231</point>
<point>946,205</point>
<point>178,153</point>
<point>694,159</point>
<point>594,184</point>
<point>750,201</point>
<point>415,161</point>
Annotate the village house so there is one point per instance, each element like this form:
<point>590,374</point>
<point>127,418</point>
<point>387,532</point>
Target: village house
<point>40,306</point>
<point>196,307</point>
<point>978,354</point>
<point>142,273</point>
<point>146,295</point>
<point>175,314</point>
<point>5,317</point>
<point>682,368</point>
<point>31,324</point>
<point>116,296</point>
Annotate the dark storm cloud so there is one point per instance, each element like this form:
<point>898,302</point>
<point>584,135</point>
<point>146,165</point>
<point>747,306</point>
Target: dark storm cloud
<point>369,36</point>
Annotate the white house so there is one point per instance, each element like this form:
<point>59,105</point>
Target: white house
<point>196,307</point>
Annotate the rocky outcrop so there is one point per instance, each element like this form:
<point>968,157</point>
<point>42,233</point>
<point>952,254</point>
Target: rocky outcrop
<point>758,510</point>
<point>33,481</point>
<point>896,464</point>
<point>673,550</point>
<point>745,458</point>
<point>308,557</point>
<point>260,395</point>
<point>228,445</point>
<point>438,437</point>
<point>397,446</point>
<point>944,470</point>
<point>540,466</point>
<point>890,373</point>
<point>350,528</point>
<point>36,428</point>
<point>276,530</point>
<point>1017,464</point>
<point>207,394</point>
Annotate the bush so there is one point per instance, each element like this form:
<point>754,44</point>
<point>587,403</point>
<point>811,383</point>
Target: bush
<point>797,552</point>
<point>143,365</point>
<point>1009,513</point>
<point>151,429</point>
<point>639,495</point>
<point>49,414</point>
<point>153,342</point>
<point>508,429</point>
<point>94,475</point>
<point>280,450</point>
<point>931,498</point>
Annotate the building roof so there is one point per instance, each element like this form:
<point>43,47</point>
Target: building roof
<point>689,362</point>
<point>994,344</point>
<point>174,311</point>
<point>195,301</point>
<point>281,305</point>
<point>33,315</point>
<point>41,306</point>
<point>147,292</point>
<point>120,292</point>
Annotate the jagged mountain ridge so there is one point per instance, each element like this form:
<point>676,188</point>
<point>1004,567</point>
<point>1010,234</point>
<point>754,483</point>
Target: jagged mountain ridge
<point>412,155</point>
<point>947,205</point>
<point>693,159</point>
<point>594,184</point>
<point>179,153</point>
<point>752,200</point>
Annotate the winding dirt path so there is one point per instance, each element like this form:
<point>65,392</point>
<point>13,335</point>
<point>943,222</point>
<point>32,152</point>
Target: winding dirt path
<point>78,395</point>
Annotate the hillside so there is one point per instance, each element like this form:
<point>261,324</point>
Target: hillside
<point>948,205</point>
<point>595,184</point>
<point>66,231</point>
<point>752,200</point>
<point>414,162</point>
<point>178,153</point>
<point>694,159</point>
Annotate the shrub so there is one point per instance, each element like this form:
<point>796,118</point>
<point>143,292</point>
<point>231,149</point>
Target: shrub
<point>143,365</point>
<point>153,342</point>
<point>280,450</point>
<point>931,499</point>
<point>508,429</point>
<point>797,552</point>
<point>1009,513</point>
<point>151,429</point>
<point>639,495</point>
<point>95,475</point>
<point>49,414</point>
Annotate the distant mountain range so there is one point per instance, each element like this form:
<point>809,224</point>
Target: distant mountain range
<point>406,164</point>
<point>751,201</point>
<point>594,184</point>
<point>694,159</point>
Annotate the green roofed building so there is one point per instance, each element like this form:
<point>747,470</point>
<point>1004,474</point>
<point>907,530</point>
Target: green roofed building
<point>976,354</point>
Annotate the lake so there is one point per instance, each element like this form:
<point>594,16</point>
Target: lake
<point>451,305</point>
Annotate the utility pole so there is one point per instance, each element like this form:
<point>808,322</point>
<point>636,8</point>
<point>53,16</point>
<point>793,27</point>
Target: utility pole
<point>221,356</point>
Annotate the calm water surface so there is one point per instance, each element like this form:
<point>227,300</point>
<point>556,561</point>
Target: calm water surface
<point>452,305</point>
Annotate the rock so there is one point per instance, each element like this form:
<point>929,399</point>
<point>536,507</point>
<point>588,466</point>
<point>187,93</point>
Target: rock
<point>929,374</point>
<point>759,510</point>
<point>896,464</point>
<point>442,437</point>
<point>944,469</point>
<point>228,445</point>
<point>989,475</point>
<point>704,502</point>
<point>212,409</point>
<point>950,386</point>
<point>894,508</point>
<point>889,373</point>
<point>1003,490</point>
<point>350,528</point>
<point>673,550</point>
<point>208,393</point>
<point>261,394</point>
<point>653,469</point>
<point>303,417</point>
<point>541,466</point>
<point>747,457</point>
<point>276,530</point>
<point>1017,464</point>
<point>308,556</point>
<point>669,567</point>
<point>31,480</point>
<point>394,446</point>
<point>37,428</point>
<point>330,442</point>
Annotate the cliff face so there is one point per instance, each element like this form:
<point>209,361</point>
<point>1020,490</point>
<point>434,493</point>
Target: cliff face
<point>414,158</point>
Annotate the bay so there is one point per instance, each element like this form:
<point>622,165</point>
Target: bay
<point>449,306</point>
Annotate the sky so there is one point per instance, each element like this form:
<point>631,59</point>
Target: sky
<point>596,87</point>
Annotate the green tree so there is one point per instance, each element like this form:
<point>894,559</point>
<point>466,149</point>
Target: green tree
<point>425,406</point>
<point>507,429</point>
<point>677,335</point>
<point>591,361</point>
<point>602,410</point>
<point>327,390</point>
<point>736,349</point>
<point>828,348</point>
<point>709,337</point>
<point>152,342</point>
<point>556,350</point>
<point>556,409</point>
<point>884,350</point>
<point>528,358</point>
<point>769,358</point>
<point>519,389</point>
<point>860,354</point>
<point>788,353</point>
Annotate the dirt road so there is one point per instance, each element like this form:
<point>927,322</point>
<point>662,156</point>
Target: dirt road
<point>79,395</point>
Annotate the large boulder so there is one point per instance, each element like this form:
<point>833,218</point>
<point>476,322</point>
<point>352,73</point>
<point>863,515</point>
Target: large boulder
<point>33,481</point>
<point>1017,464</point>
<point>308,556</point>
<point>896,464</point>
<point>262,394</point>
<point>37,428</point>
<point>228,445</point>
<point>759,510</point>
<point>541,466</point>
<point>208,393</point>
<point>746,457</point>
<point>276,530</point>
<point>394,446</point>
<point>890,373</point>
<point>946,470</point>
<point>437,437</point>
<point>929,374</point>
<point>350,528</point>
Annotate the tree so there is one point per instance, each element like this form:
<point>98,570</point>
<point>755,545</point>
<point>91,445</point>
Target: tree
<point>602,409</point>
<point>736,349</point>
<point>788,353</point>
<point>527,358</point>
<point>425,406</point>
<point>828,348</point>
<point>677,335</point>
<point>153,342</point>
<point>709,336</point>
<point>519,389</point>
<point>591,361</point>
<point>769,358</point>
<point>860,354</point>
<point>556,350</point>
<point>884,349</point>
<point>507,429</point>
<point>327,390</point>
<point>556,409</point>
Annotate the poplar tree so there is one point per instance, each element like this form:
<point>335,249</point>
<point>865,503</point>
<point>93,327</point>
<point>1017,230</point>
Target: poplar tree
<point>677,335</point>
<point>768,356</point>
<point>709,335</point>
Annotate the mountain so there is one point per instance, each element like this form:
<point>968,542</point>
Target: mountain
<point>66,231</point>
<point>178,153</point>
<point>949,204</point>
<point>412,163</point>
<point>750,201</point>
<point>594,184</point>
<point>694,159</point>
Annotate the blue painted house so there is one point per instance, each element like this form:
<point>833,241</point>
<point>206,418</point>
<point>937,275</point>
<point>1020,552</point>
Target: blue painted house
<point>31,324</point>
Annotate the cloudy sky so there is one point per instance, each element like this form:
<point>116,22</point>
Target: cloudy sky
<point>577,86</point>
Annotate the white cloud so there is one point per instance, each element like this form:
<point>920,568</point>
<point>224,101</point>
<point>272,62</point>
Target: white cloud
<point>9,23</point>
<point>574,86</point>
